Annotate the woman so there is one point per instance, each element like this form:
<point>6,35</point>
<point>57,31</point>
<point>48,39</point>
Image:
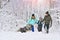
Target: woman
<point>47,19</point>
<point>32,21</point>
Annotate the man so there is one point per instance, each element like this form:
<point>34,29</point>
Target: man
<point>47,20</point>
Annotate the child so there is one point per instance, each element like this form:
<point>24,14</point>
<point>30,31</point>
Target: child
<point>40,24</point>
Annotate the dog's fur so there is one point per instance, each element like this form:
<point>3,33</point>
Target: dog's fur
<point>25,29</point>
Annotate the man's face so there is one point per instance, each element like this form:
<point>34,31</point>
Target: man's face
<point>46,14</point>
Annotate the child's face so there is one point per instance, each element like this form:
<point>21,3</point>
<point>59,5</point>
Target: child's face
<point>40,19</point>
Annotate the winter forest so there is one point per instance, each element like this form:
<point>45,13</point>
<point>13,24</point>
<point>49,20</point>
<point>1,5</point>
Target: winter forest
<point>14,14</point>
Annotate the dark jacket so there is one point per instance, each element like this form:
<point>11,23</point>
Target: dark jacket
<point>47,19</point>
<point>39,23</point>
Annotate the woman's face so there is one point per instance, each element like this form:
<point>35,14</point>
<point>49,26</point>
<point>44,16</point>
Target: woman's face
<point>33,17</point>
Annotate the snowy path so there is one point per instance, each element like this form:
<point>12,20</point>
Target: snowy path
<point>29,36</point>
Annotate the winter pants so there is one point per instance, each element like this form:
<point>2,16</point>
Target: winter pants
<point>46,26</point>
<point>39,28</point>
<point>32,28</point>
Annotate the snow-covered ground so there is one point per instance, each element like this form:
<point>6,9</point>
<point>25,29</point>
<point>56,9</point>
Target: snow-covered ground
<point>29,36</point>
<point>15,14</point>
